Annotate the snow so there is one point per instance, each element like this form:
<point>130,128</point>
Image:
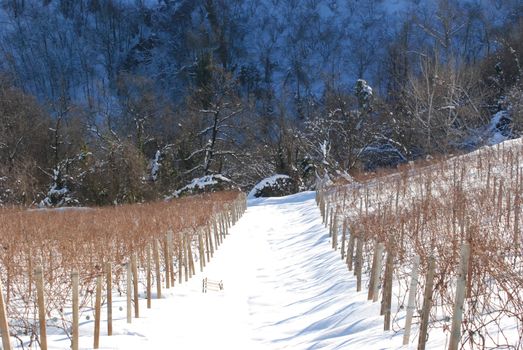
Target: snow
<point>155,165</point>
<point>365,87</point>
<point>62,209</point>
<point>284,287</point>
<point>201,182</point>
<point>497,135</point>
<point>57,195</point>
<point>267,182</point>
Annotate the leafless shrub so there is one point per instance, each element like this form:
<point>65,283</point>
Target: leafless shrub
<point>85,240</point>
<point>430,209</point>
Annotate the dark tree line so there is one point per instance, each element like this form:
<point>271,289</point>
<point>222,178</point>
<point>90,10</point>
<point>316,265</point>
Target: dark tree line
<point>113,101</point>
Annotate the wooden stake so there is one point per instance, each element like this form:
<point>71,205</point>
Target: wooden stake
<point>156,257</point>
<point>39,278</point>
<point>30,272</point>
<point>387,289</point>
<point>170,242</point>
<point>343,238</point>
<point>4,324</point>
<point>470,262</point>
<point>322,208</point>
<point>76,312</point>
<point>180,259</point>
<point>335,232</point>
<point>411,304</point>
<point>97,309</point>
<point>149,276</point>
<point>225,216</point>
<point>385,285</point>
<point>224,230</point>
<point>201,252</point>
<point>129,292</point>
<point>215,233</point>
<point>109,282</point>
<point>350,250</point>
<point>191,258</point>
<point>427,304</point>
<point>373,271</point>
<point>135,286</point>
<point>455,334</point>
<point>359,263</point>
<point>185,258</point>
<point>331,225</point>
<point>166,261</point>
<point>327,209</point>
<point>207,244</point>
<point>377,274</point>
<point>220,228</point>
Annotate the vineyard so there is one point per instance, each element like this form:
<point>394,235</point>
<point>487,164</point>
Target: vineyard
<point>430,258</point>
<point>457,225</point>
<point>54,262</point>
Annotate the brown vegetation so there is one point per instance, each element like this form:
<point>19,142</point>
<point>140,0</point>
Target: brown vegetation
<point>86,240</point>
<point>430,210</point>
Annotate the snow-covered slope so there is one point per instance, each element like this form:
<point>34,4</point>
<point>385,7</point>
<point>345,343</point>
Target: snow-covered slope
<point>283,288</point>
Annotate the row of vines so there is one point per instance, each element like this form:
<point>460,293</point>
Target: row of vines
<point>180,234</point>
<point>432,212</point>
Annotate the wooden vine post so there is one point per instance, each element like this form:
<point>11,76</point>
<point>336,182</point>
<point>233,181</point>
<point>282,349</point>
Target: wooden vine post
<point>170,250</point>
<point>192,270</point>
<point>322,207</point>
<point>455,335</point>
<point>180,258</point>
<point>220,228</point>
<point>109,297</point>
<point>166,260</point>
<point>210,245</point>
<point>185,258</point>
<point>335,231</point>
<point>427,304</point>
<point>135,286</point>
<point>129,292</point>
<point>331,223</point>
<point>201,251</point>
<point>208,242</point>
<point>4,325</point>
<point>225,222</point>
<point>319,192</point>
<point>97,310</point>
<point>156,257</point>
<point>343,238</point>
<point>372,271</point>
<point>350,250</point>
<point>76,311</point>
<point>149,276</point>
<point>215,232</point>
<point>359,262</point>
<point>327,210</point>
<point>377,272</point>
<point>387,289</point>
<point>411,303</point>
<point>39,278</point>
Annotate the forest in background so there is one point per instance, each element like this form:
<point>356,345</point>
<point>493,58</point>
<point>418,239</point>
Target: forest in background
<point>118,101</point>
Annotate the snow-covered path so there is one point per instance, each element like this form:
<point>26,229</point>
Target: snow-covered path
<point>284,287</point>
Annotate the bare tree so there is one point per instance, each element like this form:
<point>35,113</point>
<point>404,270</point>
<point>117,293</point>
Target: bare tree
<point>214,124</point>
<point>442,104</point>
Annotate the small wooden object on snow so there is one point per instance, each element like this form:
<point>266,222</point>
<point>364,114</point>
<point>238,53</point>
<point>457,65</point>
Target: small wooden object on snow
<point>212,285</point>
